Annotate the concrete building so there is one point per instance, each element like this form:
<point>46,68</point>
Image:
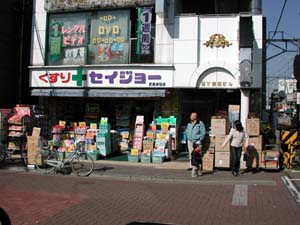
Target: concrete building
<point>162,57</point>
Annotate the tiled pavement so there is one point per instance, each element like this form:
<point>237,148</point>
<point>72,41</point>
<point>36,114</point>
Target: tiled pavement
<point>120,193</point>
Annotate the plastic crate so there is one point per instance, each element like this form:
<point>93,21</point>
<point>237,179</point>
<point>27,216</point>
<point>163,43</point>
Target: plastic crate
<point>134,158</point>
<point>146,158</point>
<point>158,159</point>
<point>95,156</point>
<point>61,155</point>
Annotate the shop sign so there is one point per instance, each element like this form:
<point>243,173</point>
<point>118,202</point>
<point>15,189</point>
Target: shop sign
<point>144,31</point>
<point>216,84</point>
<point>109,37</point>
<point>102,78</point>
<point>67,39</point>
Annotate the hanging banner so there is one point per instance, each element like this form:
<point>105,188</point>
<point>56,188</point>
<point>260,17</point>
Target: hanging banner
<point>144,31</point>
<point>146,18</point>
<point>55,42</point>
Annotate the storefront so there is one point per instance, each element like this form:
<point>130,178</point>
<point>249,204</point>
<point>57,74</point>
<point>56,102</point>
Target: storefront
<point>125,61</point>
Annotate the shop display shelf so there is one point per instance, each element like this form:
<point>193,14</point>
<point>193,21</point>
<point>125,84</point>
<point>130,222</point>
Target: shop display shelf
<point>146,158</point>
<point>158,159</point>
<point>134,158</point>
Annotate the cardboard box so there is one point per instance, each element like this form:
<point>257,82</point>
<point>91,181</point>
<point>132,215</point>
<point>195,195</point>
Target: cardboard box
<point>148,144</point>
<point>219,126</point>
<point>222,159</point>
<point>34,140</point>
<point>253,126</point>
<point>208,162</point>
<point>150,135</point>
<point>36,132</point>
<point>219,139</point>
<point>271,165</point>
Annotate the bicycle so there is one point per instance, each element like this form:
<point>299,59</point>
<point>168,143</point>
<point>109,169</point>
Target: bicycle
<point>80,162</point>
<point>11,154</point>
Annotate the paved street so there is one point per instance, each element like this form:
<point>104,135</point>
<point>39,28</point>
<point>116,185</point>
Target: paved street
<point>120,194</point>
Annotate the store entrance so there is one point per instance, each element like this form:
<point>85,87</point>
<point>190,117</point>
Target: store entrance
<point>206,103</point>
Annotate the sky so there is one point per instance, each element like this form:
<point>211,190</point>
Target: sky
<point>289,27</point>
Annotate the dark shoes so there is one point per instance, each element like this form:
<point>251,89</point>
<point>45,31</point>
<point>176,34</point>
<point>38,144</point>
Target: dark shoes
<point>234,173</point>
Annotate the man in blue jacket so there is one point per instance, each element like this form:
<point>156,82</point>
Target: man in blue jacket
<point>195,133</point>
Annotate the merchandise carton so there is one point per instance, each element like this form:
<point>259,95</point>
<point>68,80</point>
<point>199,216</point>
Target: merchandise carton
<point>271,165</point>
<point>253,126</point>
<point>219,126</point>
<point>36,131</point>
<point>222,159</point>
<point>151,135</point>
<point>208,162</point>
<point>34,140</point>
<point>219,139</point>
<point>148,144</point>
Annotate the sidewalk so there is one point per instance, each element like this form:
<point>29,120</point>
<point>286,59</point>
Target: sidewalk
<point>176,172</point>
<point>167,172</point>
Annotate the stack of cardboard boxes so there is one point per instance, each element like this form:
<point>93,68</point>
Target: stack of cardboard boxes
<point>34,144</point>
<point>219,129</point>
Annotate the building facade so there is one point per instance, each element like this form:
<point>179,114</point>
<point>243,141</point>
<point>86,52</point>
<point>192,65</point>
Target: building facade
<point>161,57</point>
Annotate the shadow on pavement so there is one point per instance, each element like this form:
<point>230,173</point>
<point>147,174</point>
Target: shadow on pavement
<point>150,223</point>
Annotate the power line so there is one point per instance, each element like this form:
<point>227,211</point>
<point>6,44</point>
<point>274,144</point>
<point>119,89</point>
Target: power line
<point>282,9</point>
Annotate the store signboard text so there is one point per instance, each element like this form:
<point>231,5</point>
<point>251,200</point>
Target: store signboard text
<point>216,84</point>
<point>102,78</point>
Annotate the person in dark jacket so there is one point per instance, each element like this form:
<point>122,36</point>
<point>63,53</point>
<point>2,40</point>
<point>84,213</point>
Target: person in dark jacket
<point>196,160</point>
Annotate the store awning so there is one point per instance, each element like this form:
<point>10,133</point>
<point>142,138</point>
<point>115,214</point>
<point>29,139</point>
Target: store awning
<point>104,93</point>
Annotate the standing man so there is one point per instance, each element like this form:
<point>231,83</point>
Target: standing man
<point>195,133</point>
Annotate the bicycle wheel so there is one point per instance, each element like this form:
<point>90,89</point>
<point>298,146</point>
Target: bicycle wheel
<point>41,158</point>
<point>82,164</point>
<point>2,154</point>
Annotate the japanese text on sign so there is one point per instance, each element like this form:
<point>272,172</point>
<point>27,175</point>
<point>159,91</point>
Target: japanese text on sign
<point>98,78</point>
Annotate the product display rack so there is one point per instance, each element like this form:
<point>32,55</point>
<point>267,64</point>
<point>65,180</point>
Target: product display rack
<point>17,138</point>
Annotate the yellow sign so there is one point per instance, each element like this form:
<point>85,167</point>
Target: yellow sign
<point>134,151</point>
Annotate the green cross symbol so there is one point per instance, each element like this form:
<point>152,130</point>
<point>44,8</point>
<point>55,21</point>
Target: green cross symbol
<point>79,77</point>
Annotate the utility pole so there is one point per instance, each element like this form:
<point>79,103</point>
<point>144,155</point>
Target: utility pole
<point>297,75</point>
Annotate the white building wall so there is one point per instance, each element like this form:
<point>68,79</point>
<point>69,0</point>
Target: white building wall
<point>192,58</point>
<point>186,39</point>
<point>38,33</point>
<point>257,50</point>
<point>164,32</point>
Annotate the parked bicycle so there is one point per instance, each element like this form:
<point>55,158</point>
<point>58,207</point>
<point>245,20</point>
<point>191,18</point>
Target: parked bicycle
<point>12,154</point>
<point>79,161</point>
